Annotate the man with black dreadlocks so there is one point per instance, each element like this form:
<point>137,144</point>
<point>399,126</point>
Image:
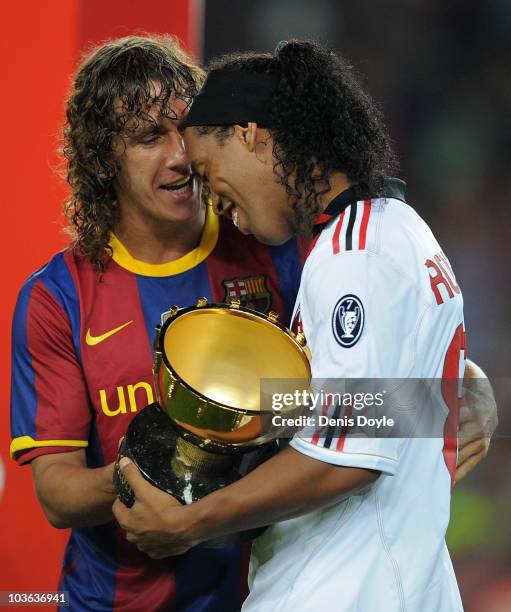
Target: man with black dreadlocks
<point>288,143</point>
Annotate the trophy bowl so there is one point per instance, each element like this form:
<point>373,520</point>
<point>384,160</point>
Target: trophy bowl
<point>209,362</point>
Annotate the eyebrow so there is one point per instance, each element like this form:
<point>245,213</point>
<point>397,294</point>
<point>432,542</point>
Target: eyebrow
<point>149,130</point>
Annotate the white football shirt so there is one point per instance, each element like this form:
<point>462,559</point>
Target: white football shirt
<point>378,300</point>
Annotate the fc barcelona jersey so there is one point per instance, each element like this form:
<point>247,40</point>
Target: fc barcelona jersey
<point>82,369</point>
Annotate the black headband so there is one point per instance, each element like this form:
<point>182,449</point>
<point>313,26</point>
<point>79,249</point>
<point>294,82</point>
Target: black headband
<point>231,97</point>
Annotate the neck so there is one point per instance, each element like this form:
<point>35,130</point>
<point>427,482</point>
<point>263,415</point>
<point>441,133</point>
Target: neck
<point>338,182</point>
<point>155,242</point>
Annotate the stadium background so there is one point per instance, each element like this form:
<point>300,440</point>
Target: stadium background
<point>440,71</point>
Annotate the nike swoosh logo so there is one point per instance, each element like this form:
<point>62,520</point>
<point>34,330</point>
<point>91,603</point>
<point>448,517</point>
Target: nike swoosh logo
<point>93,340</point>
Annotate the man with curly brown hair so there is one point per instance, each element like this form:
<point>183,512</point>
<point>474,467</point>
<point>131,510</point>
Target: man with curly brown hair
<point>143,239</point>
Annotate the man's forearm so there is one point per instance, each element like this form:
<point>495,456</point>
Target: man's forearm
<point>288,485</point>
<point>74,495</point>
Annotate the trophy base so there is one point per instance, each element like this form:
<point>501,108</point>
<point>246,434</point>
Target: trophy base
<point>150,443</point>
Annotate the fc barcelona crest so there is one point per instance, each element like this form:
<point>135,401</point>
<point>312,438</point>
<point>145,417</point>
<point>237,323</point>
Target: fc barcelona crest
<point>251,291</point>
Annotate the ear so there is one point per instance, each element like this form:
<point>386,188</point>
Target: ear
<point>247,135</point>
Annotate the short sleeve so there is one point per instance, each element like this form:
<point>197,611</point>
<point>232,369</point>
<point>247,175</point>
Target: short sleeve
<point>49,400</point>
<point>360,316</point>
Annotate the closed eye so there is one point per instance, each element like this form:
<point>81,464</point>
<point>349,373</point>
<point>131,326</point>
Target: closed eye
<point>150,139</point>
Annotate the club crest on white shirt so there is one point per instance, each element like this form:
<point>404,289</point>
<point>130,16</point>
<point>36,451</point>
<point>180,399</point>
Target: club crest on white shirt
<point>348,320</point>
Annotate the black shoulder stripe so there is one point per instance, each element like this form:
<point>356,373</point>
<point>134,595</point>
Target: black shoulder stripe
<point>332,429</point>
<point>349,229</point>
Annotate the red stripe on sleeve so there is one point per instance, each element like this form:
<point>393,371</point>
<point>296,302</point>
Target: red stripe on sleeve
<point>344,430</point>
<point>337,231</point>
<point>62,411</point>
<point>363,225</point>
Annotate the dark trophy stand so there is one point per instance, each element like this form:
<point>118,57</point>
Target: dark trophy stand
<point>150,442</point>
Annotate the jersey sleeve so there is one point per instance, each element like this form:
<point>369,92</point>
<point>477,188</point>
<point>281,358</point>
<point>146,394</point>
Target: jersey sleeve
<point>360,316</point>
<point>49,402</point>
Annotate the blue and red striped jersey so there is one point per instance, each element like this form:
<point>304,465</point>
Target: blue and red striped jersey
<point>82,368</point>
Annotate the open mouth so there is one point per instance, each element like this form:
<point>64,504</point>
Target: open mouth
<point>180,186</point>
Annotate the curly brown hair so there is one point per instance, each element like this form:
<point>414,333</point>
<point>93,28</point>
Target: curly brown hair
<point>120,71</point>
<point>322,121</point>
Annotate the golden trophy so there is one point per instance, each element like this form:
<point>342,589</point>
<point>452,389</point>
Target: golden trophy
<point>209,363</point>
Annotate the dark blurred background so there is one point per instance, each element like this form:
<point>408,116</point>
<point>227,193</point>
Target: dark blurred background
<point>441,73</point>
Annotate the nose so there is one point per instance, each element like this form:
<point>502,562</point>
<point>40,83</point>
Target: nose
<point>176,157</point>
